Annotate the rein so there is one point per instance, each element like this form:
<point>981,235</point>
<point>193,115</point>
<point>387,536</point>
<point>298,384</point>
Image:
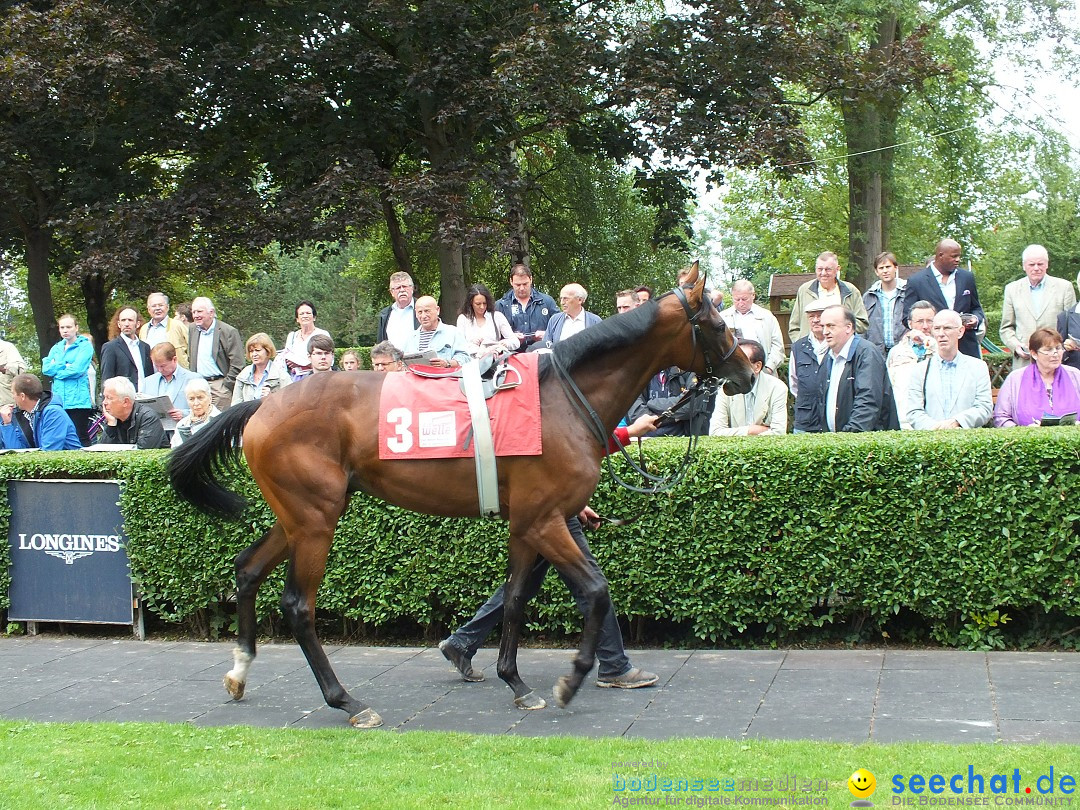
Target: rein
<point>704,387</point>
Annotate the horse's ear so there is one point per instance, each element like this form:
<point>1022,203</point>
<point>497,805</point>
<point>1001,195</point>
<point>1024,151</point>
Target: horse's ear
<point>697,281</point>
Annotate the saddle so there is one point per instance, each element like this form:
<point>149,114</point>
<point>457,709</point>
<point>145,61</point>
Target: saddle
<point>494,372</point>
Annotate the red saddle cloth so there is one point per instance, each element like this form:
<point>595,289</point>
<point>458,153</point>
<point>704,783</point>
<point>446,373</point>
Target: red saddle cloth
<point>429,418</point>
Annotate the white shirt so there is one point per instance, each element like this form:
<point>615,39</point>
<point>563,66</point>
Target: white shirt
<point>571,326</point>
<point>401,324</point>
<point>840,361</point>
<point>136,356</point>
<point>948,286</point>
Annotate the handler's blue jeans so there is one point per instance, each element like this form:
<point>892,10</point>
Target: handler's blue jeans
<point>609,648</point>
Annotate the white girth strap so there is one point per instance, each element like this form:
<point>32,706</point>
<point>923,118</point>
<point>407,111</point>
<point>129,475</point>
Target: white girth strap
<point>487,476</point>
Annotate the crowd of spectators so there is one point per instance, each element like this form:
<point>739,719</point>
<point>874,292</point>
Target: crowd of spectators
<point>905,354</point>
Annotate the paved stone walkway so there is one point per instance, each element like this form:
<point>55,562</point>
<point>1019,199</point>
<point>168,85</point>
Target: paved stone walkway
<point>843,696</point>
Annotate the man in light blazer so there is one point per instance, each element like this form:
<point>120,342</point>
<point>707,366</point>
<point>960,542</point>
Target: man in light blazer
<point>761,410</point>
<point>946,286</point>
<point>1032,302</point>
<point>949,390</point>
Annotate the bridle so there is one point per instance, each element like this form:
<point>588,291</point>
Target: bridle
<point>704,387</point>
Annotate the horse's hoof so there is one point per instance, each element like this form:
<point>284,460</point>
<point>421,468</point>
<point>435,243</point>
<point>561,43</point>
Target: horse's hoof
<point>368,718</point>
<point>530,702</point>
<point>563,692</point>
<point>234,687</point>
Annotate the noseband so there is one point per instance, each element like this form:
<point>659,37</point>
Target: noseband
<point>695,324</point>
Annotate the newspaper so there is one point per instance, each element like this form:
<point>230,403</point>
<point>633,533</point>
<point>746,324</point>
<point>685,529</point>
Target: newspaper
<point>161,405</point>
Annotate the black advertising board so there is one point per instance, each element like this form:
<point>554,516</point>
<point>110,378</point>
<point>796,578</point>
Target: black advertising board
<point>68,553</point>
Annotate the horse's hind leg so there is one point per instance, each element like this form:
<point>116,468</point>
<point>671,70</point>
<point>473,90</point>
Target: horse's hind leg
<point>306,570</point>
<point>253,566</point>
<point>524,580</point>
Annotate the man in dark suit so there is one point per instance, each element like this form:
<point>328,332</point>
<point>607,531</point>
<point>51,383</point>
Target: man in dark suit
<point>946,286</point>
<point>125,355</point>
<point>855,386</point>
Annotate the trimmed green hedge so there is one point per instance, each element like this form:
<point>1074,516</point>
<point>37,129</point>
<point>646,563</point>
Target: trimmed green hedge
<point>772,537</point>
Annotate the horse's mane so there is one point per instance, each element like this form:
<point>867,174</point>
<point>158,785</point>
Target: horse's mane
<point>611,333</point>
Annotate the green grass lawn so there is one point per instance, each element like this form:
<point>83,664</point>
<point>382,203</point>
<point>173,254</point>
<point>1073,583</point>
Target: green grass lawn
<point>179,766</point>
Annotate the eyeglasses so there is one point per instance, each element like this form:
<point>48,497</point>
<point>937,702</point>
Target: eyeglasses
<point>1051,352</point>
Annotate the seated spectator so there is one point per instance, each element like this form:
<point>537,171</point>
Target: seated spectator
<point>664,390</point>
<point>128,421</point>
<point>913,348</point>
<point>265,375</point>
<point>295,355</point>
<point>763,409</point>
<point>574,317</point>
<point>854,386</point>
<point>435,336</point>
<point>35,419</point>
<point>485,329</point>
<point>386,356</point>
<point>350,361</point>
<point>169,379</point>
<point>321,350</point>
<point>1068,326</point>
<point>203,411</point>
<point>1044,388</point>
<point>950,389</point>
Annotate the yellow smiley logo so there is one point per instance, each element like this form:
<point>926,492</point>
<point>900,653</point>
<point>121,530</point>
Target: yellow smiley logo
<point>862,784</point>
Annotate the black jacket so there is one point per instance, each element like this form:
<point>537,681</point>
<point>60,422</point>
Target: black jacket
<point>116,361</point>
<point>864,399</point>
<point>142,428</point>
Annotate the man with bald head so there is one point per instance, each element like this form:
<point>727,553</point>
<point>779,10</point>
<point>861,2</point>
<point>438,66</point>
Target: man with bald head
<point>949,390</point>
<point>945,285</point>
<point>216,351</point>
<point>573,318</point>
<point>435,336</point>
<point>1034,301</point>
<point>754,322</point>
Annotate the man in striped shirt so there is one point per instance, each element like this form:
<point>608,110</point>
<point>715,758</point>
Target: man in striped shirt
<point>433,335</point>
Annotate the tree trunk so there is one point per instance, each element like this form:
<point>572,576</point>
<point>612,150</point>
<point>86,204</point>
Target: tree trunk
<point>97,316</point>
<point>451,280</point>
<point>870,122</point>
<point>38,288</point>
<point>517,237</point>
<point>397,238</point>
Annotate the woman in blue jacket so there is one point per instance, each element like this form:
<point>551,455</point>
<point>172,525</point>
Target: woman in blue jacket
<point>68,364</point>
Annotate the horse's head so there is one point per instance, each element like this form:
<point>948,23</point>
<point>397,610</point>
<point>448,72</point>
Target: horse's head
<point>715,347</point>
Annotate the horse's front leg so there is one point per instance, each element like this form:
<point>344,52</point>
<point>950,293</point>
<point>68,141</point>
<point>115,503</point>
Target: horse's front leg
<point>516,593</point>
<point>253,566</point>
<point>306,568</point>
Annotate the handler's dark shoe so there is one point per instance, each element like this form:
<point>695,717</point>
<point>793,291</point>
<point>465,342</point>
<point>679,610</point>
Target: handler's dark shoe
<point>462,662</point>
<point>634,678</point>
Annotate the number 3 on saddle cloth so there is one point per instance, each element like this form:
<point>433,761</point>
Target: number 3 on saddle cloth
<point>421,418</point>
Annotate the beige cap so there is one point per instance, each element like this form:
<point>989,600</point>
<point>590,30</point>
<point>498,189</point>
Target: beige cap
<point>817,306</point>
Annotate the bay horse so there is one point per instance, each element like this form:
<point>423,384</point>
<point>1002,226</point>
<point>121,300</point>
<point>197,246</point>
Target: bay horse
<point>310,446</point>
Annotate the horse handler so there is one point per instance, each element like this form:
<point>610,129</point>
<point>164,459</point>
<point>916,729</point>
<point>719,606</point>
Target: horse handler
<point>615,669</point>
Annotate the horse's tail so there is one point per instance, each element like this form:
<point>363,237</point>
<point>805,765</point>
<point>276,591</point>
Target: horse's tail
<point>193,466</point>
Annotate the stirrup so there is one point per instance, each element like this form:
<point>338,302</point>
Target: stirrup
<point>501,381</point>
